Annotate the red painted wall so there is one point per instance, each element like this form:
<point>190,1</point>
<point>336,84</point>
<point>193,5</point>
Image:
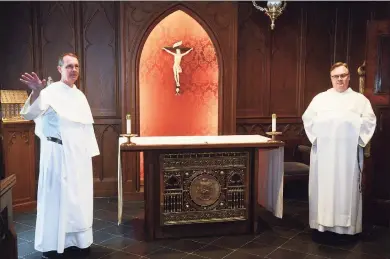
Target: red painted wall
<point>195,110</point>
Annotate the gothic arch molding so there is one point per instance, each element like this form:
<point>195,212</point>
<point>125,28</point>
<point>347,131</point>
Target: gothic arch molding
<point>193,15</point>
<point>219,20</point>
<point>150,27</point>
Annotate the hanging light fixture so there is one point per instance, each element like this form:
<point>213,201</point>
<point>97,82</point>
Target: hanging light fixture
<point>274,10</point>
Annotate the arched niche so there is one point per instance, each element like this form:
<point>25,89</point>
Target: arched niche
<point>218,19</point>
<point>195,110</point>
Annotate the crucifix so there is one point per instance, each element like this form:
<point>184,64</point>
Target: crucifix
<point>176,51</point>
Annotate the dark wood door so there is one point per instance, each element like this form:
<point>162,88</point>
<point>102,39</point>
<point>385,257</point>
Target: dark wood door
<point>377,89</point>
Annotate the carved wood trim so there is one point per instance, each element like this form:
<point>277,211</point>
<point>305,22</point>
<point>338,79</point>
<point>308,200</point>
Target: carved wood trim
<point>79,46</point>
<point>12,138</point>
<point>301,63</point>
<point>19,140</point>
<point>289,130</point>
<point>7,184</point>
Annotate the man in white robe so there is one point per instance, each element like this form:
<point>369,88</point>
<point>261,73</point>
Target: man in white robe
<point>64,124</point>
<point>339,123</point>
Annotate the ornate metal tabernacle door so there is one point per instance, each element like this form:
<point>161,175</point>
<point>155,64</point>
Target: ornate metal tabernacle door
<point>204,187</point>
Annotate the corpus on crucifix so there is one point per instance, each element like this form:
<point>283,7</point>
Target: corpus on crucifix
<point>176,51</point>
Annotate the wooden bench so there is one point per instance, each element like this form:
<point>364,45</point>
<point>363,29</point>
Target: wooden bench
<point>8,242</point>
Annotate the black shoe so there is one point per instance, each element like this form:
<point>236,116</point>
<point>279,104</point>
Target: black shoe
<point>74,251</point>
<point>85,251</point>
<point>322,238</point>
<point>351,239</point>
<point>333,239</point>
<point>50,255</point>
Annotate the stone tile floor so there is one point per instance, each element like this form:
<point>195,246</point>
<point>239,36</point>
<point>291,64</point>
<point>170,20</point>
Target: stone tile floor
<point>287,238</point>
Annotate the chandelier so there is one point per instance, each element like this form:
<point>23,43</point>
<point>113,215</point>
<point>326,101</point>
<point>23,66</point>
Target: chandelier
<point>275,9</point>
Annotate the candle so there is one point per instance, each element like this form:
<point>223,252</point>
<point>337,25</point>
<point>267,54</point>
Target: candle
<point>128,124</point>
<point>273,122</point>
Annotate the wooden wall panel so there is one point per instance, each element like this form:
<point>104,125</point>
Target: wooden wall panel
<point>42,31</point>
<point>320,52</point>
<point>286,57</point>
<point>17,43</point>
<point>381,178</point>
<point>281,71</point>
<point>292,133</point>
<point>56,25</point>
<point>99,63</point>
<point>19,160</point>
<point>358,18</point>
<point>99,39</point>
<point>253,63</point>
<point>295,59</point>
<point>275,71</point>
<point>105,169</point>
<point>342,36</point>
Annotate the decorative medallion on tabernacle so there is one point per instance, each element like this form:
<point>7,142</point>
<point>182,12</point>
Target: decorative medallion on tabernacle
<point>204,187</point>
<point>205,190</point>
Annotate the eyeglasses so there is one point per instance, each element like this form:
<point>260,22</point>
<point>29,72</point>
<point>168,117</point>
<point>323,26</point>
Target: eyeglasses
<point>342,76</point>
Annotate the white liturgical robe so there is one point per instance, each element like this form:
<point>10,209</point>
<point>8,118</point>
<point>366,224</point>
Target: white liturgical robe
<point>65,186</point>
<point>338,125</point>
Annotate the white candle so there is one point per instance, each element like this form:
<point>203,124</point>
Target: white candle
<point>274,122</point>
<point>128,124</point>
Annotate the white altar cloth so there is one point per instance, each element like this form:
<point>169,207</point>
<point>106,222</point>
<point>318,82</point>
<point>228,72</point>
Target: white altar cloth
<point>270,175</point>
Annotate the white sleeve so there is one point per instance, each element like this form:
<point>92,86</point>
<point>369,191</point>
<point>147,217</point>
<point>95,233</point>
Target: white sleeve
<point>368,124</point>
<point>32,111</point>
<point>308,121</point>
<point>92,143</point>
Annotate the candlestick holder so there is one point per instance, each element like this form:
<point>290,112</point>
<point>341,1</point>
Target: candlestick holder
<point>273,135</point>
<point>129,136</point>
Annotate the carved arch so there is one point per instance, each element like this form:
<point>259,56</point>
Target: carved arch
<point>153,23</point>
<point>190,12</point>
<point>139,20</point>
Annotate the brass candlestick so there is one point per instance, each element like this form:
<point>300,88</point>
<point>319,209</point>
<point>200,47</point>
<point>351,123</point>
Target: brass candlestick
<point>273,135</point>
<point>129,136</point>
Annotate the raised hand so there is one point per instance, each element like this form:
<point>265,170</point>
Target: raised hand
<point>33,82</point>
